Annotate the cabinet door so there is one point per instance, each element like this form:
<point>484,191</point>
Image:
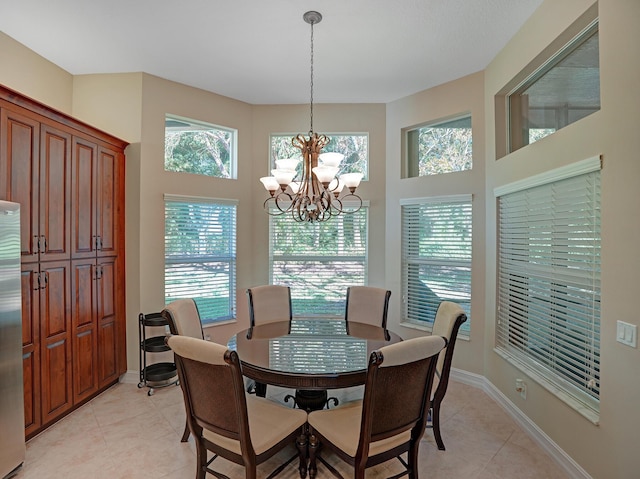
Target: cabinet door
<point>55,194</point>
<point>109,207</point>
<point>31,346</point>
<point>19,164</point>
<point>83,229</point>
<point>55,339</point>
<point>108,348</point>
<point>84,324</point>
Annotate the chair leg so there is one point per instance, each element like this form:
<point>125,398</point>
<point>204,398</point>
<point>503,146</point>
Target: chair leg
<point>313,449</point>
<point>412,460</point>
<point>201,453</point>
<point>303,451</point>
<point>185,434</point>
<point>435,420</point>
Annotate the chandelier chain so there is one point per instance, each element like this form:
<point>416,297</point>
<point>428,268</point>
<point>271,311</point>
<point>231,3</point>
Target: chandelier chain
<point>311,96</point>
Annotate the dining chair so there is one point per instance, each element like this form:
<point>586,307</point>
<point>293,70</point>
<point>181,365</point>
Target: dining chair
<point>449,318</point>
<point>184,319</point>
<point>246,430</point>
<point>390,419</point>
<point>367,304</point>
<point>269,303</point>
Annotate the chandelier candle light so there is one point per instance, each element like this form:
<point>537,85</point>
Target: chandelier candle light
<point>315,196</point>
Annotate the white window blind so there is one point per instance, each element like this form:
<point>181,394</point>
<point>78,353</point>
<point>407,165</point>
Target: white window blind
<point>549,283</point>
<point>436,256</point>
<point>319,261</point>
<point>200,254</point>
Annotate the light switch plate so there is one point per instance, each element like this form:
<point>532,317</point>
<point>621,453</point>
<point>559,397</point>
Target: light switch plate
<point>627,333</point>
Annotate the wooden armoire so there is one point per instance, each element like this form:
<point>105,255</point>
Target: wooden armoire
<point>69,180</point>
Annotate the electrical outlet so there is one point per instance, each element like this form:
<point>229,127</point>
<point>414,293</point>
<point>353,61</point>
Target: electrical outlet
<point>521,387</point>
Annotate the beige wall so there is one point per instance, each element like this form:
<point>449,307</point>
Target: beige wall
<point>28,73</point>
<point>608,450</point>
<point>132,106</point>
<point>463,96</point>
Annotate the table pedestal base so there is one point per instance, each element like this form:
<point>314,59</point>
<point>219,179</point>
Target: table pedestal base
<point>311,400</point>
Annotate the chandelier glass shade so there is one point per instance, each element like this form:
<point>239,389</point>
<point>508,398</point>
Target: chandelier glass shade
<point>315,192</point>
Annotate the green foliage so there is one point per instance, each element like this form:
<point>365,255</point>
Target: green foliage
<point>202,152</point>
<point>444,150</point>
<point>353,147</point>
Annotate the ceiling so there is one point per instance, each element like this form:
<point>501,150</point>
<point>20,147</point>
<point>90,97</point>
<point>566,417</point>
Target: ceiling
<point>258,51</point>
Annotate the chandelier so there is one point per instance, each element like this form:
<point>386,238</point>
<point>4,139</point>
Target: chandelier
<point>317,193</point>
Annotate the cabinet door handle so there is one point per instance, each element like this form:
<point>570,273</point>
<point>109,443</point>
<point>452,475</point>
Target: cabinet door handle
<point>37,282</point>
<point>46,279</point>
<point>44,243</point>
<point>36,244</point>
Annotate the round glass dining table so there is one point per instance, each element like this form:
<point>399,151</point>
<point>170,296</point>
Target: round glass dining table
<point>311,355</point>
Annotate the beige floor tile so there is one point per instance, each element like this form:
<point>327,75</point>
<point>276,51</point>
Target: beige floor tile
<point>126,434</point>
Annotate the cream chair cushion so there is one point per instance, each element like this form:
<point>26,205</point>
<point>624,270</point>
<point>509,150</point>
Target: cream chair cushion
<point>269,422</point>
<point>341,426</point>
<point>443,325</point>
<point>366,304</point>
<point>270,303</point>
<point>186,317</point>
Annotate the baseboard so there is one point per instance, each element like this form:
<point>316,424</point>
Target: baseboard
<point>571,467</point>
<point>130,377</point>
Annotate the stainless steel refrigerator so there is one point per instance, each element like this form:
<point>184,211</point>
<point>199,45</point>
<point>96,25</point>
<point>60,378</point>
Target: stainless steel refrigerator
<point>12,445</point>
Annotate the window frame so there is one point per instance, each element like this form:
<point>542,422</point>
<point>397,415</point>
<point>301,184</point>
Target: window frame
<point>509,343</point>
<point>411,168</point>
<point>229,258</point>
<point>409,258</point>
<point>233,149</point>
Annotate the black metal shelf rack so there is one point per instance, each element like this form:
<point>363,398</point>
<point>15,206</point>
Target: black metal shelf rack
<point>160,374</point>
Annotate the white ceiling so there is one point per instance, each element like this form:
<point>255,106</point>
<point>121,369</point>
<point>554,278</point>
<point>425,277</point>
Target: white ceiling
<point>258,51</point>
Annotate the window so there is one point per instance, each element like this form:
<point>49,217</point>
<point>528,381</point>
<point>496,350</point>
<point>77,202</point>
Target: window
<point>549,279</point>
<point>200,255</point>
<point>319,261</point>
<point>437,148</point>
<point>564,90</point>
<point>436,257</point>
<point>354,147</point>
<point>199,148</point>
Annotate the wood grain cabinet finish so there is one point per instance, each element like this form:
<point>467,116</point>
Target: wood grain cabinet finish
<point>69,179</point>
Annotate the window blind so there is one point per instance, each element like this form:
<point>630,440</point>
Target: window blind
<point>319,261</point>
<point>436,256</point>
<point>200,254</point>
<point>549,282</point>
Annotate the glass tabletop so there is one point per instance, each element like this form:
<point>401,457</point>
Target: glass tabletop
<point>315,347</point>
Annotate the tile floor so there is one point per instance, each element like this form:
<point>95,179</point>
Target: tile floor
<point>124,433</point>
